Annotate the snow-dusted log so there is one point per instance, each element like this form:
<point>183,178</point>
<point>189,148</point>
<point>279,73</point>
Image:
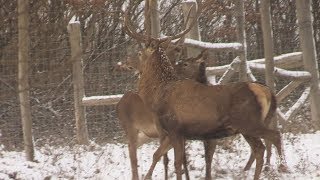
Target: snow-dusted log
<point>293,75</point>
<point>213,47</point>
<point>101,100</point>
<point>297,106</point>
<point>284,92</point>
<point>233,68</point>
<point>287,61</point>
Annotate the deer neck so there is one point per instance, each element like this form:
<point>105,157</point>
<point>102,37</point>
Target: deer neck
<point>157,73</point>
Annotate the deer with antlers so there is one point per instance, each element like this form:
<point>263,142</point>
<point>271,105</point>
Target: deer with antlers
<point>137,120</point>
<point>186,109</point>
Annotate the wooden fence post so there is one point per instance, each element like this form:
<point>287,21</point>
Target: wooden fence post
<point>23,78</point>
<point>241,34</point>
<point>309,55</point>
<point>78,82</point>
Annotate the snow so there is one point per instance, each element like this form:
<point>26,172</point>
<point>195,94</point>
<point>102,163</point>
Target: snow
<point>117,96</point>
<point>212,46</point>
<point>74,20</point>
<point>111,161</point>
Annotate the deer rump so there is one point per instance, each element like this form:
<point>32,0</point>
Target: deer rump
<point>198,111</point>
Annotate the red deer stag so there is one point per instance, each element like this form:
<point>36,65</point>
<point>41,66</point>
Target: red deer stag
<point>185,109</point>
<point>137,120</point>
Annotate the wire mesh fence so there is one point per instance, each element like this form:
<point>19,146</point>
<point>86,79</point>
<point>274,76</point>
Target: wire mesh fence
<point>104,44</point>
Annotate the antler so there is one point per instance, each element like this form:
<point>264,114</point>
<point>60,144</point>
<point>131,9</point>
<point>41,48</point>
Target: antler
<point>181,34</point>
<point>128,27</point>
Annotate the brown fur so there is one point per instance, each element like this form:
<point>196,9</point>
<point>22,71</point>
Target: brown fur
<point>190,110</point>
<point>138,120</point>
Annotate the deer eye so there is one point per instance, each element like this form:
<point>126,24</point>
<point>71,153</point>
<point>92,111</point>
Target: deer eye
<point>185,64</point>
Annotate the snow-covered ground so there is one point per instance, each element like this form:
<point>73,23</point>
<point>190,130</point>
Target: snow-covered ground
<point>112,161</point>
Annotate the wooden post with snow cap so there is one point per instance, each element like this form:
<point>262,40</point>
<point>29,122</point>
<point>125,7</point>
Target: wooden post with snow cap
<point>309,56</point>
<point>241,34</point>
<point>78,82</point>
<point>194,32</point>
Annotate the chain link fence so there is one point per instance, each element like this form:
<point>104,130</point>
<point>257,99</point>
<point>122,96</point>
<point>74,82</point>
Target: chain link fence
<point>105,44</point>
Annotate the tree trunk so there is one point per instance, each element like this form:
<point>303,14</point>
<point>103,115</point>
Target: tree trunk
<point>155,18</point>
<point>267,42</point>
<point>194,32</point>
<point>309,55</point>
<point>23,79</point>
<point>241,34</point>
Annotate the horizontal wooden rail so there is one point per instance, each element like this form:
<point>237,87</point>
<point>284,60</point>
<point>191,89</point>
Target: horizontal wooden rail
<point>293,75</point>
<point>101,100</point>
<point>213,47</point>
<point>287,61</point>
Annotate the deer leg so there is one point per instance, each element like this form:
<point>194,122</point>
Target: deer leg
<point>162,149</point>
<point>269,152</point>
<point>252,158</point>
<point>258,150</point>
<point>209,148</point>
<point>250,161</point>
<point>275,138</point>
<point>185,166</point>
<point>132,135</point>
<point>165,164</point>
<point>178,145</point>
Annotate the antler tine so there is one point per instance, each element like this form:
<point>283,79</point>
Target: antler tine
<point>128,27</point>
<point>181,34</point>
<point>198,57</point>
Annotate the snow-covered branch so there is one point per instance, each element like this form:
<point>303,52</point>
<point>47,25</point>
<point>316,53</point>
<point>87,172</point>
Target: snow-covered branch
<point>287,61</point>
<point>293,75</point>
<point>213,47</point>
<point>284,92</point>
<point>233,68</point>
<point>297,106</point>
<point>101,100</point>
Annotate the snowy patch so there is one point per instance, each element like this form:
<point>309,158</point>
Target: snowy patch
<point>112,161</point>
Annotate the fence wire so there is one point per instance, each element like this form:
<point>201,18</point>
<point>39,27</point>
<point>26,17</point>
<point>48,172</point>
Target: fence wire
<point>104,44</point>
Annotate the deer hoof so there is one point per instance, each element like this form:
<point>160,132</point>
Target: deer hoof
<point>283,168</point>
<point>267,168</point>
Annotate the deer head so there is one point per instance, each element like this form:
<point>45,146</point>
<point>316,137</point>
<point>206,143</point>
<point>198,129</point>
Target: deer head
<point>192,68</point>
<point>153,44</point>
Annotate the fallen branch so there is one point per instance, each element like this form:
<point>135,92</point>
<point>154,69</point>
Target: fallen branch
<point>233,68</point>
<point>284,92</point>
<point>297,106</point>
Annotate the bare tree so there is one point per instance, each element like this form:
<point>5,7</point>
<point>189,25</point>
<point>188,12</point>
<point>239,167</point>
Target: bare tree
<point>23,77</point>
